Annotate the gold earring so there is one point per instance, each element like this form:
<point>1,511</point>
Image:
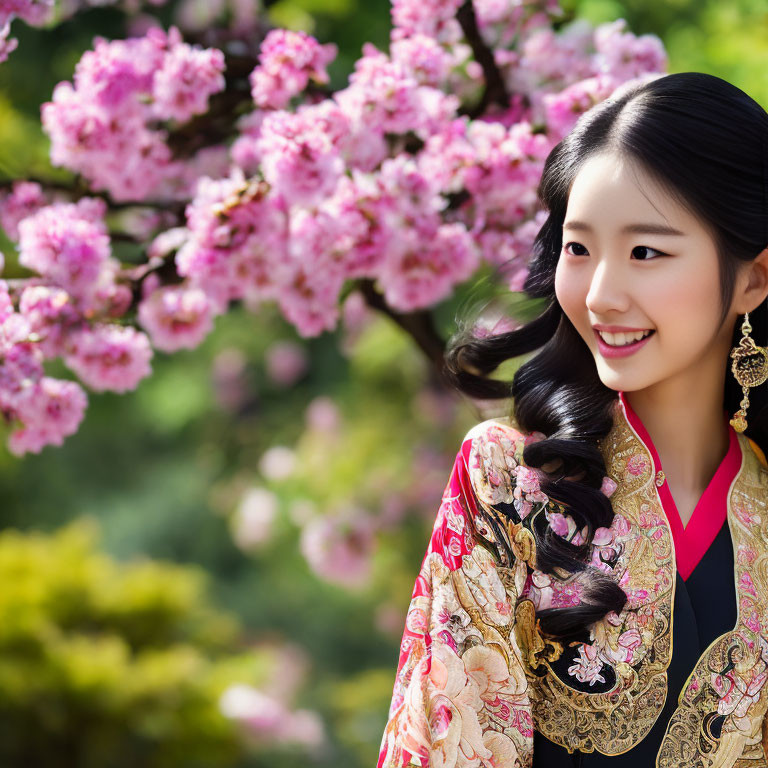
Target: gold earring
<point>750,368</point>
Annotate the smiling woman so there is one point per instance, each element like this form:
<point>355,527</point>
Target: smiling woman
<point>596,587</point>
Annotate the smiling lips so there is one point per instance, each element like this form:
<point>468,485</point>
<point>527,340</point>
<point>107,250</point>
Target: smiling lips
<point>620,339</point>
<point>618,342</point>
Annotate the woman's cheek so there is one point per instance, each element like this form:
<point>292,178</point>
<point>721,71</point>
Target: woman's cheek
<point>571,296</point>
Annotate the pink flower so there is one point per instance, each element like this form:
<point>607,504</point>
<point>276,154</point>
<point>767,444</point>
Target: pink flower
<point>237,245</point>
<point>434,18</point>
<point>299,159</point>
<point>7,44</point>
<point>527,479</point>
<point>269,719</point>
<point>557,58</point>
<point>185,81</point>
<point>564,108</point>
<point>384,96</point>
<point>423,57</point>
<point>624,55</point>
<point>747,584</point>
<point>746,554</point>
<point>176,317</point>
<point>68,243</point>
<point>745,516</point>
<point>285,361</point>
<point>603,537</point>
<point>110,357</point>
<point>52,410</point>
<point>25,198</point>
<point>34,12</point>
<point>566,594</point>
<point>287,61</point>
<point>309,298</point>
<point>339,547</point>
<point>323,416</point>
<point>51,314</point>
<point>629,641</point>
<point>534,437</point>
<point>501,175</point>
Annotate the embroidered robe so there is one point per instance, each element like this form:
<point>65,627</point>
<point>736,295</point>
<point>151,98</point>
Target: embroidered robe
<point>476,676</point>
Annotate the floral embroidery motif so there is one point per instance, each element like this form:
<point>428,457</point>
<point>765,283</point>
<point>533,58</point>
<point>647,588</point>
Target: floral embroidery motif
<point>638,464</point>
<point>587,667</point>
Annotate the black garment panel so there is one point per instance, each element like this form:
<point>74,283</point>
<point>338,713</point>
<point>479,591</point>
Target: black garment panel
<point>704,609</point>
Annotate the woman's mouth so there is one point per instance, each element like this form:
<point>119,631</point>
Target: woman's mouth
<point>621,344</point>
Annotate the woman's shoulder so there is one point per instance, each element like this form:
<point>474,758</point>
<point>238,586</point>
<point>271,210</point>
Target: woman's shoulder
<point>492,451</point>
<point>758,451</point>
<point>500,429</point>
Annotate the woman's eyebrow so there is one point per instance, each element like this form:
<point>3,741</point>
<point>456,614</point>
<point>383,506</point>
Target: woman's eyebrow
<point>639,228</point>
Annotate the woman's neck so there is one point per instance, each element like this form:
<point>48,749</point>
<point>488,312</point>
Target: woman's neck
<point>688,428</point>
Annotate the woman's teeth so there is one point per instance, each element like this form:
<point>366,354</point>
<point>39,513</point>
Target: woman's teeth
<point>622,339</point>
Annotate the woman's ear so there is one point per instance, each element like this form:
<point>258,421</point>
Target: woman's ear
<point>754,283</point>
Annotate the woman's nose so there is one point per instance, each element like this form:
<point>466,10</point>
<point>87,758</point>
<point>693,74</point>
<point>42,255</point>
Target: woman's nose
<point>607,290</point>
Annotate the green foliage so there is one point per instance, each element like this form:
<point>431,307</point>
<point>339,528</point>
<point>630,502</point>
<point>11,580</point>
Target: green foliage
<point>105,665</point>
<point>726,39</point>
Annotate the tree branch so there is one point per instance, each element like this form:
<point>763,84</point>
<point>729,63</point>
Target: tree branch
<point>419,325</point>
<point>495,89</point>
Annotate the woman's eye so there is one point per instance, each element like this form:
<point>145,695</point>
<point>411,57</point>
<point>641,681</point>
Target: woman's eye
<point>578,245</point>
<point>642,248</point>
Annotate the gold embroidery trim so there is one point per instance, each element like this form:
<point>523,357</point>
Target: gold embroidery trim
<point>614,721</point>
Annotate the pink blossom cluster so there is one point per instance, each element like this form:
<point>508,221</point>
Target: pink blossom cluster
<point>298,240</point>
<point>32,11</point>
<point>104,124</point>
<point>42,410</point>
<point>237,241</point>
<point>266,718</point>
<point>287,62</point>
<point>175,316</point>
<point>359,206</point>
<point>68,243</point>
<point>38,12</point>
<point>67,311</point>
<point>433,18</point>
<point>339,547</point>
<point>24,199</point>
<point>104,355</point>
<point>387,179</point>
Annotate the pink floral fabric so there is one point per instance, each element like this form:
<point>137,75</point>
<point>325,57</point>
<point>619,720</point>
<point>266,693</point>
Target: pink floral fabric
<point>460,696</point>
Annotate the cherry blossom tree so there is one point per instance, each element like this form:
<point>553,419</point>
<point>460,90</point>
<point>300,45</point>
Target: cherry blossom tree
<point>242,177</point>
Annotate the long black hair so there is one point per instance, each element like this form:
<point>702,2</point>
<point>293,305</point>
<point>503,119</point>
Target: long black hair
<point>705,141</point>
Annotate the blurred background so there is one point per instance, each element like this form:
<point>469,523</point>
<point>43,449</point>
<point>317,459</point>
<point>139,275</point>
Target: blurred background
<point>252,518</point>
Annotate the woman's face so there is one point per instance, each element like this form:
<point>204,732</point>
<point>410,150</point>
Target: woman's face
<point>635,263</point>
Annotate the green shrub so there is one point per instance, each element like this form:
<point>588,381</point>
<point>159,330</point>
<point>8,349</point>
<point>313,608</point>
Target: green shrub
<point>106,664</point>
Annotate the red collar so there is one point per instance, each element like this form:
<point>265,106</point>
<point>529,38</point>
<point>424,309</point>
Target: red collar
<point>693,540</point>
